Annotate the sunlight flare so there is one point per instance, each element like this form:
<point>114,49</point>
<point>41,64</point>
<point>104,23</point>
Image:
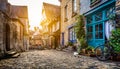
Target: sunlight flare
<point>34,10</point>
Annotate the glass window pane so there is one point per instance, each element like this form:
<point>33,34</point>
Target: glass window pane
<point>90,29</point>
<point>89,19</point>
<point>97,28</point>
<point>72,35</point>
<point>66,12</point>
<point>75,36</point>
<point>100,27</point>
<point>98,16</point>
<point>100,35</point>
<point>93,1</point>
<point>75,5</point>
<point>99,31</point>
<point>96,35</point>
<point>110,11</point>
<point>89,36</point>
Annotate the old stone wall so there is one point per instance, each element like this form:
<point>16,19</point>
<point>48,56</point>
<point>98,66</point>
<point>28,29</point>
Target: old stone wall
<point>1,34</point>
<point>65,24</point>
<point>4,33</point>
<point>11,30</point>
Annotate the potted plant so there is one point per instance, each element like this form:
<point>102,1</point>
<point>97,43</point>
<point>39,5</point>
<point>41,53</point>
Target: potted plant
<point>70,43</point>
<point>90,51</point>
<point>83,45</point>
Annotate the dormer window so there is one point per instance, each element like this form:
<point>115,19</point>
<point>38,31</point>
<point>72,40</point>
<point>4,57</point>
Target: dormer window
<point>94,2</point>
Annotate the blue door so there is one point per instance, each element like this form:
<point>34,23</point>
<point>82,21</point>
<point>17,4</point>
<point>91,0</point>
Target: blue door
<point>96,26</point>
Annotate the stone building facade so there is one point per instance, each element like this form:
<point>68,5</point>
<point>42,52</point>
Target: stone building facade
<point>45,31</point>
<point>11,28</point>
<point>5,27</point>
<point>51,22</point>
<point>35,37</point>
<point>19,15</point>
<point>69,10</point>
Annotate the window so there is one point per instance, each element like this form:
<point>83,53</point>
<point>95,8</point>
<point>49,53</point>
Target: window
<point>99,31</point>
<point>53,28</point>
<point>50,29</point>
<point>72,35</point>
<point>110,11</point>
<point>98,16</point>
<point>66,14</point>
<point>66,11</point>
<point>74,6</point>
<point>20,33</point>
<point>89,19</point>
<point>62,38</point>
<point>90,32</point>
<point>94,2</point>
<point>57,25</point>
<point>95,26</point>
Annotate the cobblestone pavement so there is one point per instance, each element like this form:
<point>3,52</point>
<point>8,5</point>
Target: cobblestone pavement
<point>52,59</point>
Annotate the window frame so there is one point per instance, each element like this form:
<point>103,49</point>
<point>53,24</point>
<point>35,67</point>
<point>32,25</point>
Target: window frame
<point>66,13</point>
<point>72,35</point>
<point>74,6</point>
<point>95,2</point>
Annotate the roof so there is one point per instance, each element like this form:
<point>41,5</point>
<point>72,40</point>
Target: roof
<point>52,12</point>
<point>19,11</point>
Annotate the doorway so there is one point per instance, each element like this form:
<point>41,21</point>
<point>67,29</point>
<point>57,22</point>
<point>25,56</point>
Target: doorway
<point>7,42</point>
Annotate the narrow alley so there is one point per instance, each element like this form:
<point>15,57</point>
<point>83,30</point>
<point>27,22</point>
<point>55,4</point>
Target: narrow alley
<point>59,34</point>
<point>53,59</point>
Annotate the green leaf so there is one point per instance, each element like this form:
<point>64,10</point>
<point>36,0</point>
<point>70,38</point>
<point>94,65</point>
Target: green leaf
<point>115,40</point>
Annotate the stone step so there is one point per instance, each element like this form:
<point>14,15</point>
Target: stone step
<point>15,55</point>
<point>10,53</point>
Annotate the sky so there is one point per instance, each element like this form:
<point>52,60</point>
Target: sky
<point>34,9</point>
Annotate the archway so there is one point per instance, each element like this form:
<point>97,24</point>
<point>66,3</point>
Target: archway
<point>7,37</point>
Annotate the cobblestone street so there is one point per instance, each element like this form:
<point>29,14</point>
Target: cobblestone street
<point>52,59</point>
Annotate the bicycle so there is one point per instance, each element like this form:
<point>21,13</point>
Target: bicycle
<point>104,52</point>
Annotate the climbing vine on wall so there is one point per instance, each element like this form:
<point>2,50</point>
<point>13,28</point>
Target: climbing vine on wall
<point>79,27</point>
<point>80,31</point>
<point>115,41</point>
